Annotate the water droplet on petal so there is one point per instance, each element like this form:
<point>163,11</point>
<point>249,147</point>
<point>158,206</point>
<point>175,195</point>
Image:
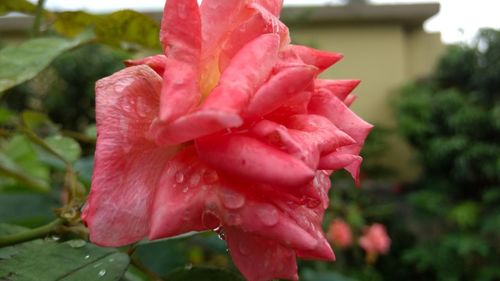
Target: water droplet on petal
<point>185,189</point>
<point>268,214</point>
<point>179,177</point>
<point>220,233</point>
<point>195,180</point>
<point>78,243</point>
<point>210,176</point>
<point>231,199</point>
<point>210,220</point>
<point>102,272</point>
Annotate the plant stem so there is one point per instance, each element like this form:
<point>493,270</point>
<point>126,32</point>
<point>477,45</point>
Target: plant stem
<point>38,18</point>
<point>31,234</point>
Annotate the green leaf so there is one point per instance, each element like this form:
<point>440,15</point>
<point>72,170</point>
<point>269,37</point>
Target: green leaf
<point>28,209</point>
<point>66,147</point>
<point>34,120</point>
<point>75,22</point>
<point>22,63</point>
<point>22,6</point>
<point>6,115</point>
<point>48,260</point>
<point>202,274</point>
<point>129,26</point>
<point>19,162</point>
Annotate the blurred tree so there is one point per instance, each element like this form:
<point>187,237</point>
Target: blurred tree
<point>452,119</point>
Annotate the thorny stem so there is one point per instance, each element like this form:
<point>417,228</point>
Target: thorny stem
<point>38,17</point>
<point>31,234</point>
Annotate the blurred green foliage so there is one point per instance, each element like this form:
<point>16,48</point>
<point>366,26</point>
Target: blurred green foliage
<point>452,120</point>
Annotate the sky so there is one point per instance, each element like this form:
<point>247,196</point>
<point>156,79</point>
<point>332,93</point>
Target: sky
<point>458,20</point>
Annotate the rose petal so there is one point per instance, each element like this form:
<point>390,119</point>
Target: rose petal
<point>260,259</point>
<point>241,209</point>
<point>321,59</point>
<point>194,125</point>
<point>247,71</point>
<point>128,164</point>
<point>279,89</point>
<point>340,88</point>
<point>182,195</point>
<point>156,62</point>
<point>181,38</point>
<point>350,99</point>
<point>245,157</point>
<point>321,131</point>
<point>261,22</point>
<point>328,105</point>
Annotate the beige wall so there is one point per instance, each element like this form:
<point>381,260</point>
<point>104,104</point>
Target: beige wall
<point>385,57</point>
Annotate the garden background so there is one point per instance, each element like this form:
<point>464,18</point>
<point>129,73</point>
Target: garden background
<point>432,164</point>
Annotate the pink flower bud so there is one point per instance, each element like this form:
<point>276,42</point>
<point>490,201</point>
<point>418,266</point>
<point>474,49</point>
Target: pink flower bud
<point>340,233</point>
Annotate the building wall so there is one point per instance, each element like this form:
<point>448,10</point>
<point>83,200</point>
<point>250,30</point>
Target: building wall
<point>385,57</point>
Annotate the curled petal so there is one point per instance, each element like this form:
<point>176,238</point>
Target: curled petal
<point>260,259</point>
<point>338,160</point>
<point>296,143</point>
<point>245,157</point>
<point>321,131</point>
<point>295,105</point>
<point>181,39</point>
<point>247,71</point>
<point>261,22</point>
<point>194,125</point>
<point>157,63</point>
<point>328,105</point>
<point>128,164</point>
<point>181,196</point>
<point>320,59</point>
<point>350,99</point>
<point>340,88</point>
<point>280,88</point>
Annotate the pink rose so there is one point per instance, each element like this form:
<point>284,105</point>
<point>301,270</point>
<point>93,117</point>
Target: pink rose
<point>340,233</point>
<point>229,130</point>
<point>375,240</point>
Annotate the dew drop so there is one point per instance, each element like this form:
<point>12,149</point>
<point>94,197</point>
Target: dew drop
<point>210,176</point>
<point>111,260</point>
<point>231,199</point>
<point>179,177</point>
<point>78,243</point>
<point>268,214</point>
<point>86,257</point>
<point>220,233</point>
<point>102,272</point>
<point>55,238</point>
<point>210,220</point>
<point>195,180</point>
